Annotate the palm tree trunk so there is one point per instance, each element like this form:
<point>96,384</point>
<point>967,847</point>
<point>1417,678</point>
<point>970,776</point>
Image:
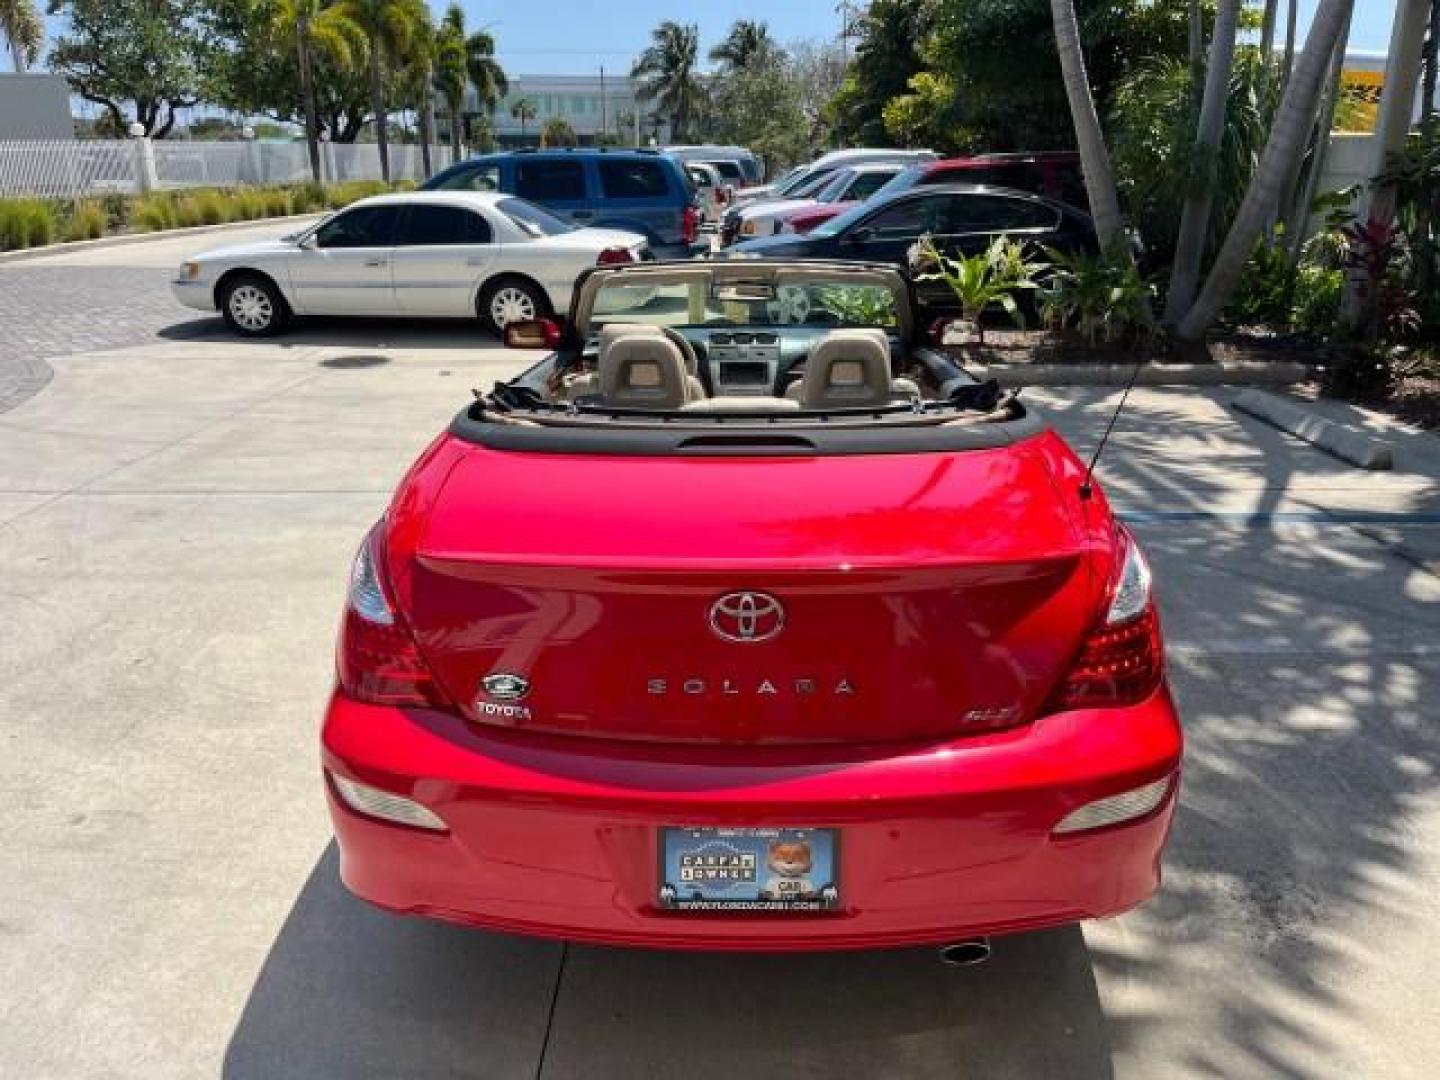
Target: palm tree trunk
<point>1291,17</point>
<point>377,103</point>
<point>1432,55</point>
<point>1297,220</point>
<point>427,122</point>
<point>1293,121</point>
<point>1209,131</point>
<point>1094,157</point>
<point>307,95</point>
<point>455,121</point>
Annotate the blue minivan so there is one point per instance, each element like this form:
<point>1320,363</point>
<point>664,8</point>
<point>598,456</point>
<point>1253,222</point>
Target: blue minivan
<point>642,191</point>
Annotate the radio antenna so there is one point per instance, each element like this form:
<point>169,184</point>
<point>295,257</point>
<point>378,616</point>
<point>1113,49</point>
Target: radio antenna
<point>1085,486</point>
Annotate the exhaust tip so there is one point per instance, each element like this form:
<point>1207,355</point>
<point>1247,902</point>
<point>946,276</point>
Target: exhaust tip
<point>965,953</point>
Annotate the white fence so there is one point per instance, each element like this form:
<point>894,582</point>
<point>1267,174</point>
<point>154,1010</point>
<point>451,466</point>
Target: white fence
<point>70,168</point>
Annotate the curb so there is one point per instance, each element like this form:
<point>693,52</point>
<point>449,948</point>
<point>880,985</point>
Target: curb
<point>1323,434</point>
<point>1242,373</point>
<point>139,238</point>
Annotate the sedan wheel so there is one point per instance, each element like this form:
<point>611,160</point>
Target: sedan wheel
<point>512,301</point>
<point>253,307</point>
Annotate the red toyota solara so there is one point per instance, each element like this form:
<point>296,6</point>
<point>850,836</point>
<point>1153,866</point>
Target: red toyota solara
<point>746,620</point>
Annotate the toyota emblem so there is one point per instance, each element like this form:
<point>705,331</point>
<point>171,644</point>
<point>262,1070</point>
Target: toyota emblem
<point>747,617</point>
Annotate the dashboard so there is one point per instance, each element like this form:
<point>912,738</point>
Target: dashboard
<point>750,362</point>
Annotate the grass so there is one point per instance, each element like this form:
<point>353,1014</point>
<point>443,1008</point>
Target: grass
<point>33,222</point>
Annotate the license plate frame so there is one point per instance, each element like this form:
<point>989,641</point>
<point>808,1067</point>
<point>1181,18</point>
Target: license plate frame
<point>728,870</point>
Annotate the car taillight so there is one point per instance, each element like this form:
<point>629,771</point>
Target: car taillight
<point>690,225</point>
<point>614,256</point>
<point>1122,659</point>
<point>377,660</point>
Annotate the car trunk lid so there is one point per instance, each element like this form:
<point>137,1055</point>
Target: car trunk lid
<point>749,600</point>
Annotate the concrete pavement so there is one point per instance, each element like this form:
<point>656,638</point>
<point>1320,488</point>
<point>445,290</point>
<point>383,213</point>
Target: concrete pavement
<point>176,523</point>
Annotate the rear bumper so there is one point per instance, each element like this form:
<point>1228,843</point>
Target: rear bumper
<point>557,837</point>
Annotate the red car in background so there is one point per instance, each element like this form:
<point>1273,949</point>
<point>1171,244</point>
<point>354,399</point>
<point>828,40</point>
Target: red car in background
<point>747,620</point>
<point>1054,174</point>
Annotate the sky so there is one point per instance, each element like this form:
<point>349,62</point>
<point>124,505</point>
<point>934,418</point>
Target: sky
<point>542,37</point>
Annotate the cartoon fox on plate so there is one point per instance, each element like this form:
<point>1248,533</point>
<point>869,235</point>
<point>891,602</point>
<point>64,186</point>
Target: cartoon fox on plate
<point>789,863</point>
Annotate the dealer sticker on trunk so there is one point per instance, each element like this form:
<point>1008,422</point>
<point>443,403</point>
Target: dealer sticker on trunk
<point>749,869</point>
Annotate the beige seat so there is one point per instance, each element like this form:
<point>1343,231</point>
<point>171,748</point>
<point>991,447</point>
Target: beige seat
<point>848,368</point>
<point>645,371</point>
<point>611,332</point>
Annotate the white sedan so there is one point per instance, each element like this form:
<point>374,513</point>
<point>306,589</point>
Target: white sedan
<point>447,254</point>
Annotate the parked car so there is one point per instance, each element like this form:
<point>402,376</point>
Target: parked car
<point>828,163</point>
<point>711,190</point>
<point>963,219</point>
<point>451,254</point>
<point>1055,175</point>
<point>717,629</point>
<point>849,184</point>
<point>639,191</point>
<point>749,166</point>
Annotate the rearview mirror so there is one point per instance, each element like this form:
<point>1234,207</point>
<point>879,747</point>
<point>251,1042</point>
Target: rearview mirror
<point>542,333</point>
<point>743,292</point>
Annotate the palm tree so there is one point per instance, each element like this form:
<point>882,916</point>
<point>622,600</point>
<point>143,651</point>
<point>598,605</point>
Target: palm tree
<point>316,27</point>
<point>747,40</point>
<point>1293,121</point>
<point>420,74</point>
<point>1094,157</point>
<point>388,26</point>
<point>1209,130</point>
<point>23,31</point>
<point>524,111</point>
<point>450,78</point>
<point>481,69</point>
<point>666,74</point>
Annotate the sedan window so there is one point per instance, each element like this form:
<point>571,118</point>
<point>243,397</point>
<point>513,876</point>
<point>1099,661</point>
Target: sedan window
<point>909,219</point>
<point>992,213</point>
<point>364,226</point>
<point>428,225</point>
<point>864,185</point>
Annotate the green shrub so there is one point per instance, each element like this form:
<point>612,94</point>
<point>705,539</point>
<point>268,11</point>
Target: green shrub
<point>213,208</point>
<point>309,197</point>
<point>1104,296</point>
<point>187,211</point>
<point>988,279</point>
<point>405,185</point>
<point>249,204</point>
<point>1316,299</point>
<point>277,203</point>
<point>153,213</point>
<point>344,194</point>
<point>26,223</point>
<point>87,220</point>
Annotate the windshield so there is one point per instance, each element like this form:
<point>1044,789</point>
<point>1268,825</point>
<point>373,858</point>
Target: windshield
<point>535,220</point>
<point>830,191</point>
<point>789,301</point>
<point>728,169</point>
<point>798,184</point>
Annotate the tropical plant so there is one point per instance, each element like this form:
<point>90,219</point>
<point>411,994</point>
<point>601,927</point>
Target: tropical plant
<point>1094,156</point>
<point>665,74</point>
<point>389,26</point>
<point>858,306</point>
<point>23,31</point>
<point>1104,296</point>
<point>1378,252</point>
<point>982,281</point>
<point>1205,153</point>
<point>450,77</point>
<point>886,57</point>
<point>418,78</point>
<point>557,131</point>
<point>1288,135</point>
<point>746,41</point>
<point>315,26</point>
<point>484,71</point>
<point>524,111</point>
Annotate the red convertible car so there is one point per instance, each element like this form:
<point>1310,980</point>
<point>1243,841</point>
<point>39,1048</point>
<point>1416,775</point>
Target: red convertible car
<point>747,620</point>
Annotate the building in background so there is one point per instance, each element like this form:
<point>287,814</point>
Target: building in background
<point>34,105</point>
<point>588,103</point>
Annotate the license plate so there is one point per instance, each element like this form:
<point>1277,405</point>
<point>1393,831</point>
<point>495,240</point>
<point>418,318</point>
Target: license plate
<point>749,869</point>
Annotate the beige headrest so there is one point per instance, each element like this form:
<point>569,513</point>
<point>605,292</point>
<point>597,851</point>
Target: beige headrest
<point>643,371</point>
<point>612,332</point>
<point>848,368</point>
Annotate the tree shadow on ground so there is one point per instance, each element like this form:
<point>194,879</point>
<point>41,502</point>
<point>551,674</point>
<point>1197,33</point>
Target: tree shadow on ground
<point>359,333</point>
